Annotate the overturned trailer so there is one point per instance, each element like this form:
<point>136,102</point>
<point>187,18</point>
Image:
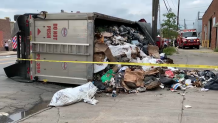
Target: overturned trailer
<point>59,37</point>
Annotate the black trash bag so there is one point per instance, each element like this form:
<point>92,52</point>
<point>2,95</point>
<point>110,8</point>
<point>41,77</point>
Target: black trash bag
<point>167,81</point>
<point>123,33</point>
<point>99,85</point>
<point>123,29</point>
<point>212,85</point>
<point>192,78</point>
<point>210,74</point>
<point>201,80</point>
<point>128,29</point>
<point>145,49</point>
<point>136,36</point>
<point>5,119</point>
<point>149,79</point>
<point>145,42</point>
<point>207,74</point>
<point>201,73</point>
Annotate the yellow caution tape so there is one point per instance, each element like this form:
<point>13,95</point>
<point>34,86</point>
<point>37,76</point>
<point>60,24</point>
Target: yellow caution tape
<point>127,63</point>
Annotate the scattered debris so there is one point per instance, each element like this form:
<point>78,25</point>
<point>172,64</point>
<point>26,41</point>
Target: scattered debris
<point>204,90</point>
<point>4,114</point>
<point>188,106</point>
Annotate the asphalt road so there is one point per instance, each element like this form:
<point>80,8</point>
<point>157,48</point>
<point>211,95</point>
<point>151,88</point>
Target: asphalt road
<point>16,97</point>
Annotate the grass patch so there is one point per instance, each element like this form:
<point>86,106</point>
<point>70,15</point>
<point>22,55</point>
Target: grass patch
<point>169,50</point>
<point>216,50</point>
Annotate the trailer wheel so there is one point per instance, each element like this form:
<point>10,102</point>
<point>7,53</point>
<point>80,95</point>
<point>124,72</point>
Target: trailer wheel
<point>198,47</point>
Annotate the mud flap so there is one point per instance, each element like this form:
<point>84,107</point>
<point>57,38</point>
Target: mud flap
<point>17,72</point>
<point>17,69</point>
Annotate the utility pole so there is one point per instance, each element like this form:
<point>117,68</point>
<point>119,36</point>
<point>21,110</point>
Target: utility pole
<point>178,15</point>
<point>185,27</point>
<point>155,4</point>
<point>198,15</point>
<point>160,27</point>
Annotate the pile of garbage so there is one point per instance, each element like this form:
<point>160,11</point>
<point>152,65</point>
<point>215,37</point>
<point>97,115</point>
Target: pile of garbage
<point>126,44</point>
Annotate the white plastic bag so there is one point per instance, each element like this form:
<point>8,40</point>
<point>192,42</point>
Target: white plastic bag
<point>69,96</point>
<point>127,49</point>
<point>146,60</point>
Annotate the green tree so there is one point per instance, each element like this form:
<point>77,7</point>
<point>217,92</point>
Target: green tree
<point>169,27</point>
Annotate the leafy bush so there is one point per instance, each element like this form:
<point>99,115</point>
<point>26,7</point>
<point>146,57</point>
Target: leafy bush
<point>216,50</point>
<point>169,50</point>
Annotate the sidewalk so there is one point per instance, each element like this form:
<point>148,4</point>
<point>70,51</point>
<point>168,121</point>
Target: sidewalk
<point>150,107</point>
<point>5,53</point>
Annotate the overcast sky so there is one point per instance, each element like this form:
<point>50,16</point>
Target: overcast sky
<point>128,9</point>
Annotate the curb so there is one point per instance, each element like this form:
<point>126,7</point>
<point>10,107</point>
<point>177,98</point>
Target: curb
<point>25,118</point>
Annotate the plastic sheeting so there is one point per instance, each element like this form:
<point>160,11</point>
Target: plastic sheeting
<point>69,96</point>
<point>127,49</point>
<point>100,67</point>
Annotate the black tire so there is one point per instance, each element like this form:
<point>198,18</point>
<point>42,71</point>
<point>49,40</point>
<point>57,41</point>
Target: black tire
<point>198,47</point>
<point>183,47</point>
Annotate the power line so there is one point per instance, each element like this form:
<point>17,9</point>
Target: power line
<point>187,20</point>
<point>166,5</point>
<point>173,3</point>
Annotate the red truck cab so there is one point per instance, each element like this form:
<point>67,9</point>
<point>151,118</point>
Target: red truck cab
<point>188,38</point>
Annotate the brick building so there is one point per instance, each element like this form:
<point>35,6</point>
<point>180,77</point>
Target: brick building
<point>209,25</point>
<point>5,32</point>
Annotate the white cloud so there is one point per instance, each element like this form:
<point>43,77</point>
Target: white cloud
<point>7,10</point>
<point>197,2</point>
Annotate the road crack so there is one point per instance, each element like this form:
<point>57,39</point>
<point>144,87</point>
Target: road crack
<point>58,115</point>
<point>182,109</point>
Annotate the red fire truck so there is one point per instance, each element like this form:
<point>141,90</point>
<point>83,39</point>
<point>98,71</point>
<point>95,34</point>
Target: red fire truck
<point>188,38</point>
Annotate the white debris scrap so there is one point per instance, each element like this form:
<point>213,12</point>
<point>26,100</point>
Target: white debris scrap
<point>188,106</point>
<point>4,114</point>
<point>100,67</point>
